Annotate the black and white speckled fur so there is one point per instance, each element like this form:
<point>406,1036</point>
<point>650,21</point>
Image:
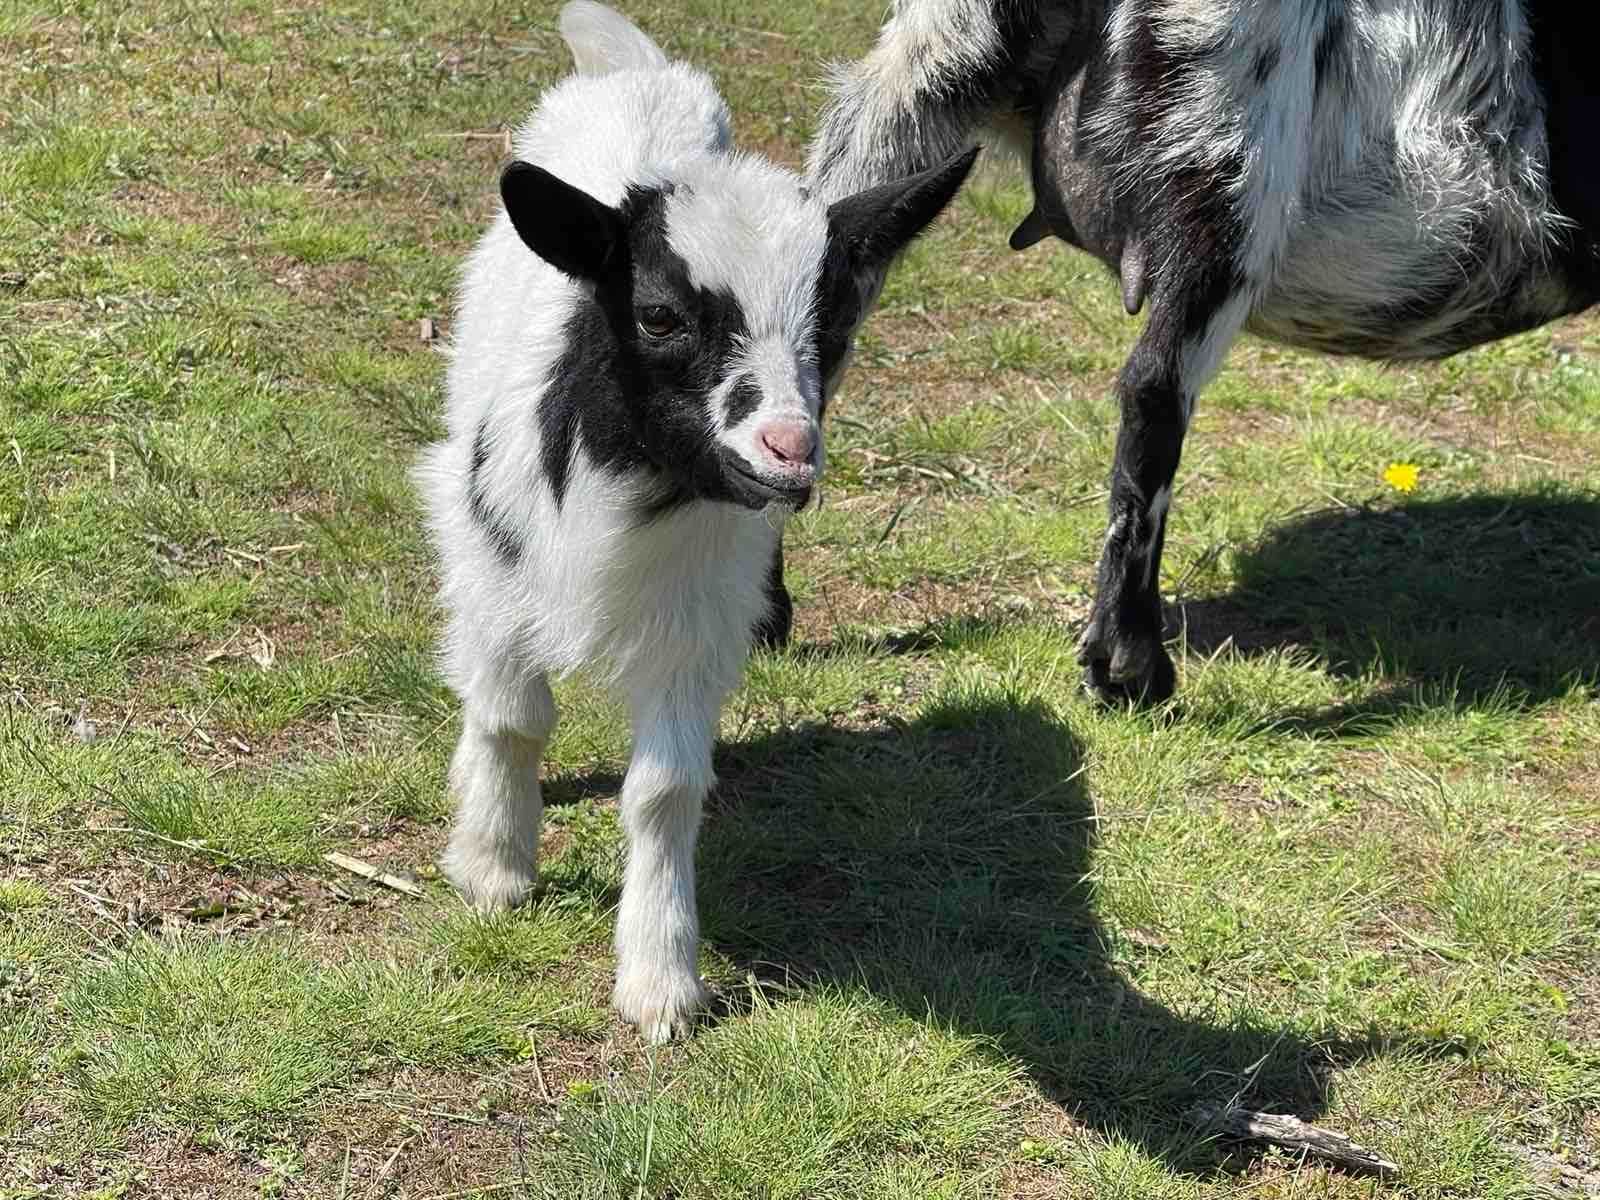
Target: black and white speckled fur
<point>1399,179</point>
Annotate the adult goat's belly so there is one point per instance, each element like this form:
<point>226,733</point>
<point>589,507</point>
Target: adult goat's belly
<point>1393,273</point>
<point>1399,216</point>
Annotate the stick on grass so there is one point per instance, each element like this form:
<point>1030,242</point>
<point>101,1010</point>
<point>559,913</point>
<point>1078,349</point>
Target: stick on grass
<point>1244,1124</point>
<point>367,871</point>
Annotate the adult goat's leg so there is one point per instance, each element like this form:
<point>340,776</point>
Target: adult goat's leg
<point>1192,323</point>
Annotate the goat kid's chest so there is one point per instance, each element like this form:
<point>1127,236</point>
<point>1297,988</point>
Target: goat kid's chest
<point>612,576</point>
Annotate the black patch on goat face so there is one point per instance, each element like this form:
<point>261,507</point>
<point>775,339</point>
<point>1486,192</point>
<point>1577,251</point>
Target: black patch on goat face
<point>743,399</point>
<point>506,545</point>
<point>642,358</point>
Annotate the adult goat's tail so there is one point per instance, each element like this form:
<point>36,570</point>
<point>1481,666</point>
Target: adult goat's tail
<point>940,72</point>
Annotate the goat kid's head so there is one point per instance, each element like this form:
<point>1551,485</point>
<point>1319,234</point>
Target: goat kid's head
<point>729,295</point>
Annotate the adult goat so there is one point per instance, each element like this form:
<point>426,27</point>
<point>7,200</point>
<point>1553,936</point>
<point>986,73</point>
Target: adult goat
<point>1398,179</point>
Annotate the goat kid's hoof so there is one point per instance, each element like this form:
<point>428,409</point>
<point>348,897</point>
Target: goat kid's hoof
<point>488,878</point>
<point>661,1007</point>
<point>1125,668</point>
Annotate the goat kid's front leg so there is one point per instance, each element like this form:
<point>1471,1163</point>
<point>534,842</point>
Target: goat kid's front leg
<point>1188,334</point>
<point>659,989</point>
<point>493,855</point>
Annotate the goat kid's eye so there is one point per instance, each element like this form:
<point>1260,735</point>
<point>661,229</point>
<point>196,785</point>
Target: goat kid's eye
<point>658,321</point>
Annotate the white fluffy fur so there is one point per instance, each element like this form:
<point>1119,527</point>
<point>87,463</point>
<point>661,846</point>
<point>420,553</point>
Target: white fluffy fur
<point>663,609</point>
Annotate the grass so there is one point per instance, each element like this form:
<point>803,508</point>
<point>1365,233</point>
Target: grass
<point>851,1098</point>
<point>172,1033</point>
<point>975,936</point>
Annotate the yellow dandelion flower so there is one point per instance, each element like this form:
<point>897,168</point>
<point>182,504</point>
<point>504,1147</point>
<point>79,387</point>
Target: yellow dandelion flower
<point>1402,476</point>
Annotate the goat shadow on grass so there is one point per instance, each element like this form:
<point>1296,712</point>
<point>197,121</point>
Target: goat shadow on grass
<point>1494,598</point>
<point>945,865</point>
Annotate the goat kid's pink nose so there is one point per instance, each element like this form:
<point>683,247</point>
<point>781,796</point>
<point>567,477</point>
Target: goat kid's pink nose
<point>790,442</point>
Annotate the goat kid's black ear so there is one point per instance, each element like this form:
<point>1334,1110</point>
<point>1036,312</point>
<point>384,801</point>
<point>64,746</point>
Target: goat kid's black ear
<point>563,225</point>
<point>875,225</point>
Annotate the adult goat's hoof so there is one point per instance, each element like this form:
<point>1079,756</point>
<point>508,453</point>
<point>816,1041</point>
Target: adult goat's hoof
<point>1122,667</point>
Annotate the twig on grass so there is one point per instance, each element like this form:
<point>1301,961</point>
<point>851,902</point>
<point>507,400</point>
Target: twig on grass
<point>538,1072</point>
<point>445,1114</point>
<point>388,1164</point>
<point>1245,1124</point>
<point>503,136</point>
<point>102,904</point>
<point>367,871</point>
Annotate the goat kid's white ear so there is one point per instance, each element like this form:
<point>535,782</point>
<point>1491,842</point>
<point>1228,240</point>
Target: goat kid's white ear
<point>875,225</point>
<point>564,225</point>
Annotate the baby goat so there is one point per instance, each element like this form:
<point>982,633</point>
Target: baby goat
<point>634,405</point>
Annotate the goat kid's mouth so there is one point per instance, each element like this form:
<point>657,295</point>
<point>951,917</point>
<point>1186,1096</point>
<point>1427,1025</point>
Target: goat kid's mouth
<point>757,491</point>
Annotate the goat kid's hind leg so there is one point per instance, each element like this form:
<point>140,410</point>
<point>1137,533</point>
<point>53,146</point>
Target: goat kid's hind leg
<point>1190,329</point>
<point>772,631</point>
<point>494,845</point>
<point>659,989</point>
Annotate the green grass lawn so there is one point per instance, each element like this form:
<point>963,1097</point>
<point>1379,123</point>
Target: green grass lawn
<point>976,937</point>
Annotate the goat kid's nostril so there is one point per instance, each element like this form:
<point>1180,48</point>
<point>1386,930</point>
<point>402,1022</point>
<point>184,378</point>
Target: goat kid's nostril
<point>789,443</point>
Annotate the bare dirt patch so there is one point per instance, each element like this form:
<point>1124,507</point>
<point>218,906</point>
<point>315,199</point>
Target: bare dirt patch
<point>120,891</point>
<point>928,602</point>
<point>430,1132</point>
<point>152,1164</point>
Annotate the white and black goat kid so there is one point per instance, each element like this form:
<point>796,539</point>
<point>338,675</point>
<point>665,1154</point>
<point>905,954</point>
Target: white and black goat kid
<point>635,399</point>
<point>1399,179</point>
